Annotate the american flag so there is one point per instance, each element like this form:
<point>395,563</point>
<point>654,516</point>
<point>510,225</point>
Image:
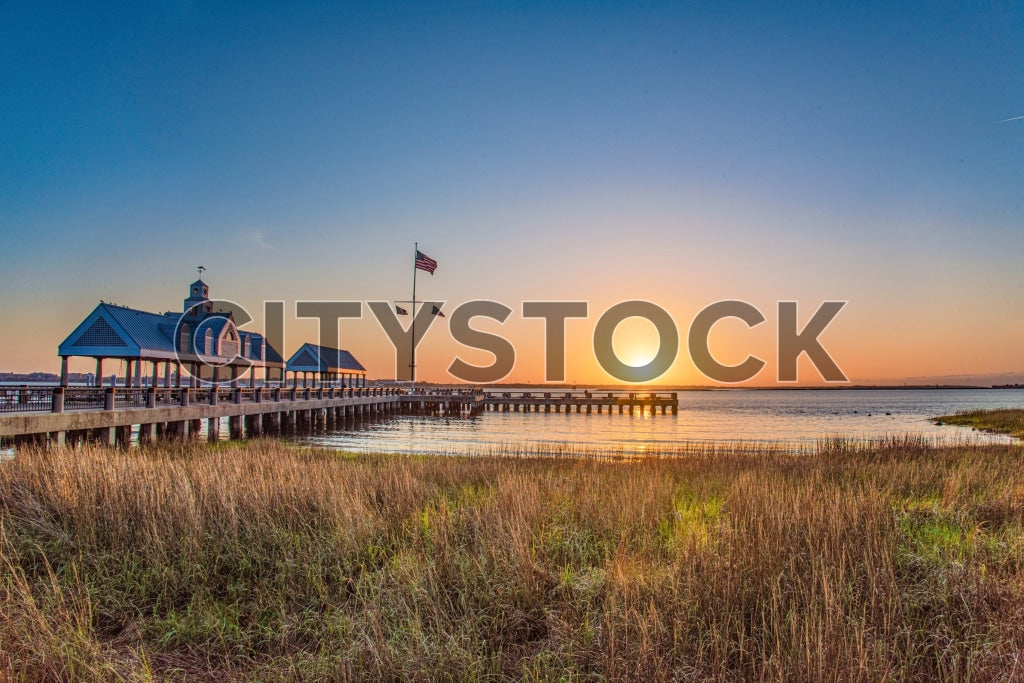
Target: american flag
<point>424,262</point>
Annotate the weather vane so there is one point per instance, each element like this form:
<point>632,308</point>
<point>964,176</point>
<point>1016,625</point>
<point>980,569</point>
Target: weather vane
<point>201,269</point>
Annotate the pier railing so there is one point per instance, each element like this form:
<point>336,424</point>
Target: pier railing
<point>24,399</point>
<point>583,401</point>
<point>59,399</point>
<point>36,399</point>
<point>578,396</point>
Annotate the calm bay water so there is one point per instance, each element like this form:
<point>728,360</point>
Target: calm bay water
<point>789,418</point>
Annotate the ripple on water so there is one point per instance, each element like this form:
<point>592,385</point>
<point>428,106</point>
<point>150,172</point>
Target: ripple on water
<point>751,419</point>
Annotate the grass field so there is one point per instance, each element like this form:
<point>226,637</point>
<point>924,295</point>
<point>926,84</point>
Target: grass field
<point>1009,421</point>
<point>259,560</point>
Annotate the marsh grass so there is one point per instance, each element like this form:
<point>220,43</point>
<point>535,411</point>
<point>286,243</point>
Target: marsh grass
<point>893,560</point>
<point>1005,421</point>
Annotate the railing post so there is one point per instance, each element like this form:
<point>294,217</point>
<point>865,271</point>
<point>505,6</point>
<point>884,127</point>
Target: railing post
<point>185,396</point>
<point>108,398</point>
<point>151,397</point>
<point>275,394</point>
<point>259,395</point>
<point>214,390</point>
<point>57,402</point>
<point>236,395</point>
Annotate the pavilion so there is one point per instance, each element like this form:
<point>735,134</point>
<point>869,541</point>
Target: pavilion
<point>326,365</point>
<point>207,343</point>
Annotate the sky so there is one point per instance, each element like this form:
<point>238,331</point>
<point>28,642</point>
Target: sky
<point>677,153</point>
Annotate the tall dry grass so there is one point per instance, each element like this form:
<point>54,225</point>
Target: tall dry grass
<point>894,561</point>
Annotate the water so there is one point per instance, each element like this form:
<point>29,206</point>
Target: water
<point>790,419</point>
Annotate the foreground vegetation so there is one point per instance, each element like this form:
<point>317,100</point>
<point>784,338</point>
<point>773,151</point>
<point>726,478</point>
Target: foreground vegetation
<point>895,561</point>
<point>1008,421</point>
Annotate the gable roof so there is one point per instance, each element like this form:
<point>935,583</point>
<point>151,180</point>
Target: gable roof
<point>112,331</point>
<point>101,334</point>
<point>315,358</point>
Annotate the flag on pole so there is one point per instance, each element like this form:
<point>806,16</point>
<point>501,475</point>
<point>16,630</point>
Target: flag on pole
<point>401,311</point>
<point>424,262</point>
<point>437,311</point>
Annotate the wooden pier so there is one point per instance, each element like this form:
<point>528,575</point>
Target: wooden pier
<point>441,402</point>
<point>588,402</point>
<point>199,346</point>
<point>112,415</point>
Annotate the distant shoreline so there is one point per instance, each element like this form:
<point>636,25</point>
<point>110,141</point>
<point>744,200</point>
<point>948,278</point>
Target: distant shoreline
<point>699,387</point>
<point>624,387</point>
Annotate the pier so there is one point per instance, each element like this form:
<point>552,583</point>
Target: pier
<point>583,401</point>
<point>111,415</point>
<point>63,415</point>
<point>210,371</point>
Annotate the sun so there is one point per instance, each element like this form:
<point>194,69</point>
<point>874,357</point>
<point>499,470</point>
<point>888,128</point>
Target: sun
<point>635,341</point>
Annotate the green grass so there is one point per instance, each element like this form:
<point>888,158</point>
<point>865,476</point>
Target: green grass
<point>1007,421</point>
<point>263,561</point>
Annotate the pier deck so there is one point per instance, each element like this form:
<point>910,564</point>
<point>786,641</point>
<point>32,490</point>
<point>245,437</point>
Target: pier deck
<point>109,414</point>
<point>62,414</point>
<point>583,401</point>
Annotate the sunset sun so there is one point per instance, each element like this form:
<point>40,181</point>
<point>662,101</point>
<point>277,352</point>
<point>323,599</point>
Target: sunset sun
<point>635,341</point>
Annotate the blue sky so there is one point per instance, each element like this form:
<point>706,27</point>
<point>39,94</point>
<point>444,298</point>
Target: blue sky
<point>742,150</point>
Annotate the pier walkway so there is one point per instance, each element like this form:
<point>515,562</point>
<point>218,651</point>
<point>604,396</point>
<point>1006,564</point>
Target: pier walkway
<point>109,414</point>
<point>70,414</point>
<point>583,401</point>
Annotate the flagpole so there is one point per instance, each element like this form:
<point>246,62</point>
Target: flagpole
<point>412,363</point>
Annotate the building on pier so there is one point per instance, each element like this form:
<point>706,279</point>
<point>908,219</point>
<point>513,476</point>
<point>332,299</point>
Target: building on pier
<point>203,343</point>
<point>324,364</point>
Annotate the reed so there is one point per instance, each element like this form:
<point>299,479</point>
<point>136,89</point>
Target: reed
<point>260,560</point>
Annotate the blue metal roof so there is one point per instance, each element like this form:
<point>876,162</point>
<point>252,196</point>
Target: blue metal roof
<point>100,335</point>
<point>120,332</point>
<point>315,358</point>
<point>144,329</point>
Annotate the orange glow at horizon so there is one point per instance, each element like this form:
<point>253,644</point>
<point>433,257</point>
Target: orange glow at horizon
<point>876,339</point>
